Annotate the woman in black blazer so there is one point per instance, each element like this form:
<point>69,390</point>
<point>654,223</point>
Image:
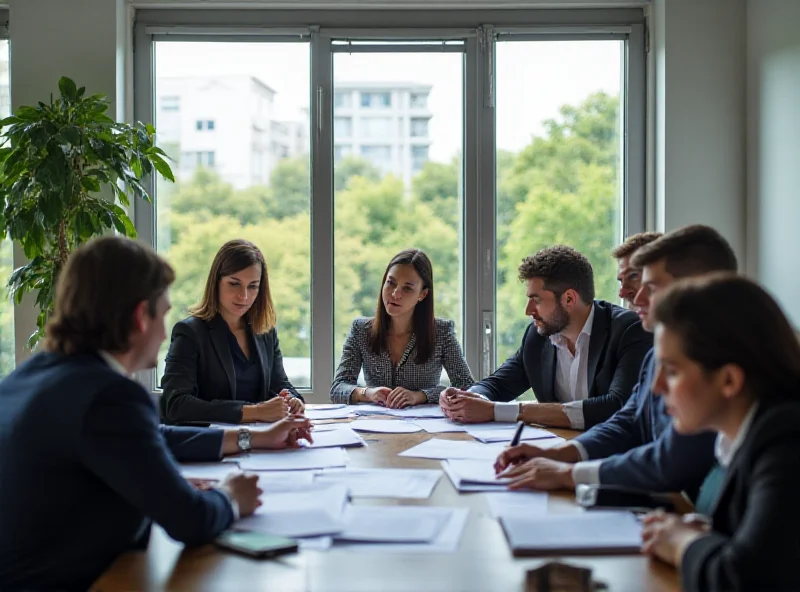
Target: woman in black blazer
<point>224,363</point>
<point>729,361</point>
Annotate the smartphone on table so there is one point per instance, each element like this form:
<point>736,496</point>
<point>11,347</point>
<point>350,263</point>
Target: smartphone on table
<point>255,544</point>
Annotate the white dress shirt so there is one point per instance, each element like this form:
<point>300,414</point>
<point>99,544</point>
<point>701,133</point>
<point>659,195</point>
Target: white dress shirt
<point>572,381</point>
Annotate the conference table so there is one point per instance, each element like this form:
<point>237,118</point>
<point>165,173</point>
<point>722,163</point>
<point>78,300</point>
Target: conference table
<point>483,561</point>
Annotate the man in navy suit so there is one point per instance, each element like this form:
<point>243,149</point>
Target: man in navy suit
<point>637,447</point>
<point>580,356</point>
<point>84,465</point>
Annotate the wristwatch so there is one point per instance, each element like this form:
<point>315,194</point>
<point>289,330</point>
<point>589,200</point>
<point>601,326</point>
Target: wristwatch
<point>244,439</point>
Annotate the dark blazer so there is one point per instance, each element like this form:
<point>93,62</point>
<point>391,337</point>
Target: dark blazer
<point>84,469</point>
<point>643,450</point>
<point>616,349</point>
<point>754,543</point>
<point>199,380</point>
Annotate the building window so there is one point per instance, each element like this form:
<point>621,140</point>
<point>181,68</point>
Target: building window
<point>376,127</point>
<point>170,103</point>
<point>343,127</point>
<point>204,124</point>
<point>340,152</point>
<point>376,99</point>
<point>380,156</point>
<point>418,101</point>
<point>419,127</point>
<point>419,156</point>
<point>203,158</point>
<point>343,99</point>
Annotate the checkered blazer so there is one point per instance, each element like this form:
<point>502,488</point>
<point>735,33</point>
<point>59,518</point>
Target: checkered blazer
<point>379,370</point>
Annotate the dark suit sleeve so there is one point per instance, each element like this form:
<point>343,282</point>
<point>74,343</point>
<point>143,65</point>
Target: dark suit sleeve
<point>122,445</point>
<point>193,444</point>
<point>180,399</point>
<point>617,435</point>
<point>278,379</point>
<point>674,462</point>
<point>762,553</point>
<point>632,347</point>
<point>509,381</point>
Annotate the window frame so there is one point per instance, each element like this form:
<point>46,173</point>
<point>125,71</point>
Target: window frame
<point>447,29</point>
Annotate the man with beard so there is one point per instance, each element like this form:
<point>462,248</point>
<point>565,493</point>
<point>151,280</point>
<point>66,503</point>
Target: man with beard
<point>580,356</point>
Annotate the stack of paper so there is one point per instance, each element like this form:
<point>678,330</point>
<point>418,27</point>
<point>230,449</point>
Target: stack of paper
<point>385,426</point>
<point>293,459</point>
<point>468,475</point>
<point>440,449</point>
<point>398,524</point>
<point>329,412</point>
<point>596,532</point>
<point>387,483</point>
<point>340,434</point>
<point>312,512</point>
<point>419,411</point>
<point>504,432</point>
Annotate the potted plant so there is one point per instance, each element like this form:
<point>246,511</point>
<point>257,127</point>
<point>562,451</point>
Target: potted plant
<point>66,170</point>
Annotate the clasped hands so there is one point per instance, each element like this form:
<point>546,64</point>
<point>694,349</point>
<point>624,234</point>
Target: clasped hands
<point>397,398</point>
<point>274,409</point>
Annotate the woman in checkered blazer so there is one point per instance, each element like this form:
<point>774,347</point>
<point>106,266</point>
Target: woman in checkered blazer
<point>403,349</point>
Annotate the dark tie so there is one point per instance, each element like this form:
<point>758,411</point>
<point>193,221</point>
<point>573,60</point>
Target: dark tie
<point>710,490</point>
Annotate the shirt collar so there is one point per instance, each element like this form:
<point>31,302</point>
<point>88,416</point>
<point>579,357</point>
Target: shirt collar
<point>559,340</point>
<point>113,363</point>
<point>725,447</point>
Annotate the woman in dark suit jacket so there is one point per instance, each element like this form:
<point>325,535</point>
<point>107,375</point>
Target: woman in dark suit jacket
<point>224,362</point>
<point>728,361</point>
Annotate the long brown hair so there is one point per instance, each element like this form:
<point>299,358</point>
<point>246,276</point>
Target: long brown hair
<point>233,257</point>
<point>724,319</point>
<point>423,320</point>
<point>100,286</point>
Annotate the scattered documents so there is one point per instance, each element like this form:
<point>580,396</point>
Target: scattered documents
<point>438,448</point>
<point>216,471</point>
<point>469,475</point>
<point>524,504</point>
<point>446,541</point>
<point>439,426</point>
<point>340,434</point>
<point>293,459</point>
<point>313,512</point>
<point>595,532</point>
<point>494,432</point>
<point>338,412</point>
<point>393,524</point>
<point>385,426</point>
<point>384,483</point>
<point>418,411</point>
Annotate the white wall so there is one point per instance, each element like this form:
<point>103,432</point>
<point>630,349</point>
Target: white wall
<point>700,115</point>
<point>54,38</point>
<point>773,103</point>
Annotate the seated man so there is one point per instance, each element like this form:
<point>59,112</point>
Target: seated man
<point>640,447</point>
<point>628,276</point>
<point>580,356</point>
<point>84,465</point>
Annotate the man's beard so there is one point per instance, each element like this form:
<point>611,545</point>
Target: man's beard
<point>556,324</point>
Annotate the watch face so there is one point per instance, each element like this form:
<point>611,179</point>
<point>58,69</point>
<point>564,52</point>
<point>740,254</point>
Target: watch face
<point>244,439</point>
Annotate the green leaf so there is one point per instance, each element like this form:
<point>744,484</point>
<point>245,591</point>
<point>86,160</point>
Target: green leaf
<point>71,134</point>
<point>9,120</point>
<point>90,184</point>
<point>162,167</point>
<point>68,89</point>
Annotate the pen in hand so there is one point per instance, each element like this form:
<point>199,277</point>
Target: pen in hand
<point>517,434</point>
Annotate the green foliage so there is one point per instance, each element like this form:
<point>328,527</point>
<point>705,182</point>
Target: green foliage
<point>65,167</point>
<point>562,188</point>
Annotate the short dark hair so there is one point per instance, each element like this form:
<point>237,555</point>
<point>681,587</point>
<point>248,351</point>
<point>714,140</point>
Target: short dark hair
<point>561,268</point>
<point>635,242</point>
<point>233,257</point>
<point>691,250</point>
<point>423,321</point>
<point>706,313</point>
<point>100,286</point>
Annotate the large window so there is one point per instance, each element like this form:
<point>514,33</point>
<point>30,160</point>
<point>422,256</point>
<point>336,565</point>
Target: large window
<point>479,145</point>
<point>249,179</point>
<point>6,246</point>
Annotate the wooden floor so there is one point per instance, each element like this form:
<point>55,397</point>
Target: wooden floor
<point>483,561</point>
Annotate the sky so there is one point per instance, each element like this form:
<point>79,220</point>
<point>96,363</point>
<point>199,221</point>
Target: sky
<point>534,78</point>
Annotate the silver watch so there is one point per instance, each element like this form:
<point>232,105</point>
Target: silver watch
<point>244,440</point>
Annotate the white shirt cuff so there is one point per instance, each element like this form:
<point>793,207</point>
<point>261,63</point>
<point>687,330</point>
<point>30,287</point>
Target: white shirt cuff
<point>581,450</point>
<point>574,412</point>
<point>234,504</point>
<point>506,412</point>
<point>587,472</point>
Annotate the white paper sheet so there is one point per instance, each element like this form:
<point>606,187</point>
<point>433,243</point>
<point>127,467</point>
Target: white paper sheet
<point>334,435</point>
<point>213,471</point>
<point>314,512</point>
<point>393,524</point>
<point>463,487</point>
<point>478,475</point>
<point>446,542</point>
<point>342,412</point>
<point>419,411</point>
<point>438,448</point>
<point>525,504</point>
<point>282,481</point>
<point>598,530</point>
<point>384,483</point>
<point>439,426</point>
<point>294,459</point>
<point>492,433</point>
<point>385,426</point>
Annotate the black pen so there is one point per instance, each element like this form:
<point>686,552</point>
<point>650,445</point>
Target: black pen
<point>517,434</point>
